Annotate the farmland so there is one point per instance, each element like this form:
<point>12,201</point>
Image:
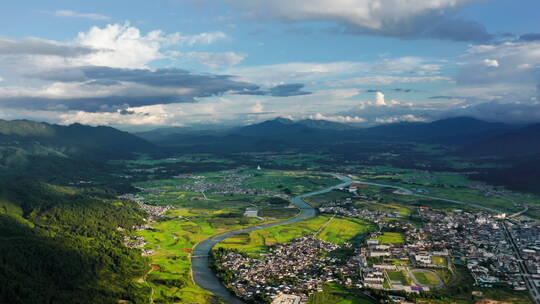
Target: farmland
<point>336,230</point>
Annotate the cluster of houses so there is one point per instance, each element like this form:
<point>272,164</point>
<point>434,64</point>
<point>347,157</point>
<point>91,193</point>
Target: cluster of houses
<point>151,210</point>
<point>231,184</point>
<point>480,240</point>
<point>297,268</point>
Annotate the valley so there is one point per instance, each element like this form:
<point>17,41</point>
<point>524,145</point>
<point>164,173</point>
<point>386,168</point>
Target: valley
<point>337,226</point>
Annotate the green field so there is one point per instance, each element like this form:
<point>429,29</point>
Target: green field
<point>398,276</point>
<point>278,213</point>
<point>426,278</point>
<point>172,242</point>
<point>335,230</point>
<point>297,182</point>
<point>335,294</point>
<point>318,200</point>
<point>391,238</point>
<point>449,185</point>
<point>441,261</point>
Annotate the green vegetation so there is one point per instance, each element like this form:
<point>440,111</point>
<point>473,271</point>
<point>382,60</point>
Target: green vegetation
<point>278,213</point>
<point>391,238</point>
<point>398,276</point>
<point>335,294</point>
<point>426,278</point>
<point>450,185</point>
<point>61,245</point>
<point>172,242</point>
<point>297,182</point>
<point>318,200</point>
<point>336,230</point>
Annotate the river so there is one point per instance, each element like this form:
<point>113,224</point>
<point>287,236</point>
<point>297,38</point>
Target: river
<point>205,277</point>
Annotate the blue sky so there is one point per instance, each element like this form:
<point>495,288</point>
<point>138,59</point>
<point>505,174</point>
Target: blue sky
<point>179,62</point>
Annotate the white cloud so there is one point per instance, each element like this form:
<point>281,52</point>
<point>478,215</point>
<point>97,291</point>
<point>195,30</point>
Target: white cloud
<point>507,71</point>
<point>491,63</point>
<point>407,64</point>
<point>379,99</point>
<point>213,60</point>
<point>124,46</point>
<point>202,38</point>
<point>338,118</point>
<point>73,14</point>
<point>257,108</point>
<point>401,118</point>
<point>114,45</point>
<point>386,80</point>
<point>271,75</point>
<point>386,71</point>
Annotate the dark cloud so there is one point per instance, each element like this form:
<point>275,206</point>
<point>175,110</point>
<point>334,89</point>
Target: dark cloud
<point>428,26</point>
<point>457,30</point>
<point>530,37</point>
<point>283,90</point>
<point>35,46</point>
<point>205,84</point>
<point>165,86</point>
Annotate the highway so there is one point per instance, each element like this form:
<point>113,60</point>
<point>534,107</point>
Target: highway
<point>529,283</point>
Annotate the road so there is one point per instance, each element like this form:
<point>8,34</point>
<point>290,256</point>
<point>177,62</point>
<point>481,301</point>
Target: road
<point>529,283</point>
<point>205,277</point>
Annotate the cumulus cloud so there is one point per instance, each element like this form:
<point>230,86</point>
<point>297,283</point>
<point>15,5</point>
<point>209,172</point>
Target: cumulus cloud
<point>124,46</point>
<point>379,99</point>
<point>257,108</point>
<point>73,14</point>
<point>381,110</point>
<point>492,63</point>
<point>396,18</point>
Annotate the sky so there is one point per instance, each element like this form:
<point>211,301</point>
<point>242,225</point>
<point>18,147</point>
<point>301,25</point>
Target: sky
<point>139,64</point>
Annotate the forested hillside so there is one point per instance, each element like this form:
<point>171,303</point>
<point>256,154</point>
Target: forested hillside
<point>63,245</point>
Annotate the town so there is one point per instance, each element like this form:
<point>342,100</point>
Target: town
<point>425,259</point>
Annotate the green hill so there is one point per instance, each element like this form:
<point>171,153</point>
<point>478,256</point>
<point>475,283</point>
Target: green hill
<point>61,245</point>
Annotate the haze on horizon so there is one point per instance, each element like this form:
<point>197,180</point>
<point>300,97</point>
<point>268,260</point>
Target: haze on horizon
<point>136,64</point>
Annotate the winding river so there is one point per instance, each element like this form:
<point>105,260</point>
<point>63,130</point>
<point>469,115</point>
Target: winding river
<point>205,277</point>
